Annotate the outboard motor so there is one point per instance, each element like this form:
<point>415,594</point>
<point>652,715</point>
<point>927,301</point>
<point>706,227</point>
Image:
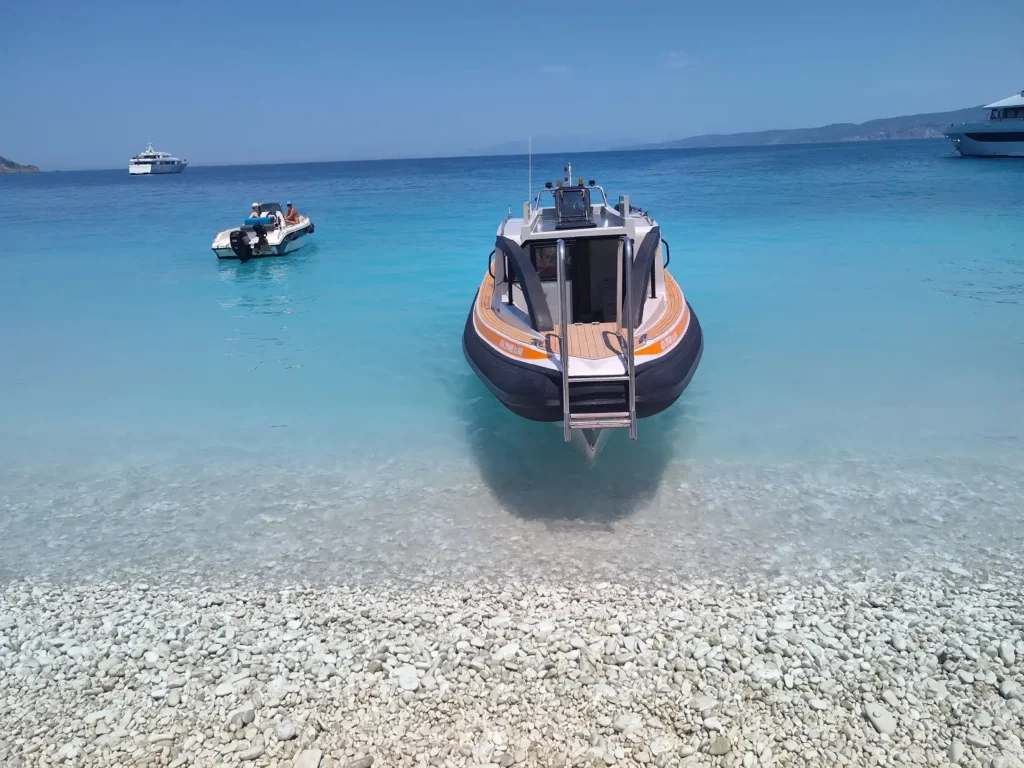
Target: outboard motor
<point>240,245</point>
<point>261,238</point>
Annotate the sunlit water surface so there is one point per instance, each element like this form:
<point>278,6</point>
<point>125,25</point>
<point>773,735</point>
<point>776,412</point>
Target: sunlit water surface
<point>860,401</point>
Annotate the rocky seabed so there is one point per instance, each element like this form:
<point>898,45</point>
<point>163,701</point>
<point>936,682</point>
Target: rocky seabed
<point>897,669</point>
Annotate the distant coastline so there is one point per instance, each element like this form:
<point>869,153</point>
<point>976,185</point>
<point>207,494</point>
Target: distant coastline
<point>9,166</point>
<point>928,125</point>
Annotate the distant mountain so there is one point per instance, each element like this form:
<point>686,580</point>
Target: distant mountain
<point>928,125</point>
<point>923,126</point>
<point>9,166</point>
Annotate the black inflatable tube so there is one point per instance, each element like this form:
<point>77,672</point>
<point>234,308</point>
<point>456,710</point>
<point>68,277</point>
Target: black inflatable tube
<point>536,393</point>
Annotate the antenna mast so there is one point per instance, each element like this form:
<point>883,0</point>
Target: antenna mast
<point>529,189</point>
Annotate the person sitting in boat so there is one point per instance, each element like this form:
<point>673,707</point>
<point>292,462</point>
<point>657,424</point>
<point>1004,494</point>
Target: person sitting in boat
<point>291,216</point>
<point>255,211</point>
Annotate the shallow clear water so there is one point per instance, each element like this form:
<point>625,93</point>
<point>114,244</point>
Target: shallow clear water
<point>863,307</point>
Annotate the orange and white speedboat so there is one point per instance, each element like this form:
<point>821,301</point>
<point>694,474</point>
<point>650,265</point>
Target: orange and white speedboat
<point>578,319</point>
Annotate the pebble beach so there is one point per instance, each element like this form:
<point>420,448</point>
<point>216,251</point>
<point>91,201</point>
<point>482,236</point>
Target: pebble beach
<point>894,669</point>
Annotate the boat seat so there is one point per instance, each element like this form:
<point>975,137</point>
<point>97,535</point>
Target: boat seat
<point>273,221</point>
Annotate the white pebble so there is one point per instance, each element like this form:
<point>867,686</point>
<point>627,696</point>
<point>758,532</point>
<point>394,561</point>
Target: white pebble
<point>880,718</point>
<point>1007,654</point>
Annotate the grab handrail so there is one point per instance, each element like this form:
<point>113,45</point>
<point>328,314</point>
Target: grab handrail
<point>627,259</point>
<point>563,348</point>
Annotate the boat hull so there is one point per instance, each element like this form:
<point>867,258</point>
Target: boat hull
<point>985,140</point>
<point>281,241</point>
<point>153,170</point>
<point>278,250</point>
<point>534,392</point>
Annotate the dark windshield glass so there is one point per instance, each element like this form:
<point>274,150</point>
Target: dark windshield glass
<point>545,259</point>
<point>573,204</point>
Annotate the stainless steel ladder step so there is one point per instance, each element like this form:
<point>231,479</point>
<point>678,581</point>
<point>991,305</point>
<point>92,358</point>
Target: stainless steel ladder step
<point>607,419</point>
<point>597,379</point>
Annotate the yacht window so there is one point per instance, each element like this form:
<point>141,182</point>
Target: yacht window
<point>995,115</point>
<point>996,136</point>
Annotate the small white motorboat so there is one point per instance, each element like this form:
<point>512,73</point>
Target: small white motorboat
<point>264,233</point>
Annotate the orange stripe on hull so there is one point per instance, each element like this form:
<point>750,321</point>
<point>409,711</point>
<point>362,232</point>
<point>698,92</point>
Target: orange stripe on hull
<point>525,351</point>
<point>670,339</point>
<point>508,346</point>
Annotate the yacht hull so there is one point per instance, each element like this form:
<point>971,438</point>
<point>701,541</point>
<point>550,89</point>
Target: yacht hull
<point>534,391</point>
<point>152,170</point>
<point>987,143</point>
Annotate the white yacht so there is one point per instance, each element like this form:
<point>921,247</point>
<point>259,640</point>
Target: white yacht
<point>1002,135</point>
<point>150,161</point>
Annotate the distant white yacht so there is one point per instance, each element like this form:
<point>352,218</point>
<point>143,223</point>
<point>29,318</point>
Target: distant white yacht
<point>150,161</point>
<point>1002,135</point>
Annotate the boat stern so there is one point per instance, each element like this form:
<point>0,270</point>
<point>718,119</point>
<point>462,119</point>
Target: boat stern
<point>222,242</point>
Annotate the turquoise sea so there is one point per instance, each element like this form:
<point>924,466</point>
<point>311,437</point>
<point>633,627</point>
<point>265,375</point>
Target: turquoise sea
<point>860,401</point>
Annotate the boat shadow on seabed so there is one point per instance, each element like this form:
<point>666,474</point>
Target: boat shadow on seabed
<point>535,475</point>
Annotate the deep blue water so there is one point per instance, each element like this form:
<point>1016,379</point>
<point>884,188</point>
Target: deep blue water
<point>861,302</point>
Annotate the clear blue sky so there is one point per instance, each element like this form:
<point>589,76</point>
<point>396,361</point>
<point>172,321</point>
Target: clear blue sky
<point>85,84</point>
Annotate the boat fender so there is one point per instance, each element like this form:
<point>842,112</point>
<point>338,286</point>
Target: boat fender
<point>240,245</point>
<point>310,230</point>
